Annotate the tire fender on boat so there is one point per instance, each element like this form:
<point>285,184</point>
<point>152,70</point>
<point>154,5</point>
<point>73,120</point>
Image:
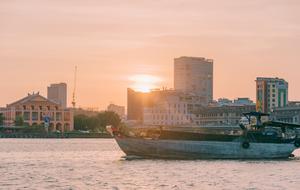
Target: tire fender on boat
<point>245,145</point>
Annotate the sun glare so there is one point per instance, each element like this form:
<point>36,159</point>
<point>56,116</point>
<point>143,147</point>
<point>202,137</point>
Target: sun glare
<point>144,83</point>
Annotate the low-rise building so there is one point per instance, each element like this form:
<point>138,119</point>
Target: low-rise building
<point>137,102</point>
<point>179,108</point>
<point>172,111</point>
<point>34,108</point>
<point>223,102</point>
<point>235,102</point>
<point>243,101</point>
<point>222,115</point>
<point>175,112</point>
<point>288,114</point>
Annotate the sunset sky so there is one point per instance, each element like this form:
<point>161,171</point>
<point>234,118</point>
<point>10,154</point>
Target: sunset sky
<point>115,42</point>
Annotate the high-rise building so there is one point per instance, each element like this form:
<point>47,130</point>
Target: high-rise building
<point>58,93</point>
<point>194,75</point>
<point>271,93</point>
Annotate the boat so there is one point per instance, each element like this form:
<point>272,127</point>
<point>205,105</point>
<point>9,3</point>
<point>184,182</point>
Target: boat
<point>262,140</point>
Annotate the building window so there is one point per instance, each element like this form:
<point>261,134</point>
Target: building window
<point>35,116</point>
<point>58,116</point>
<point>26,116</point>
<point>18,113</point>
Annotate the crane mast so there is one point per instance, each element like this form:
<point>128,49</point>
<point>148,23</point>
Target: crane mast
<point>74,90</point>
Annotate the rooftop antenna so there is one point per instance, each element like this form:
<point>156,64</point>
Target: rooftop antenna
<point>74,90</point>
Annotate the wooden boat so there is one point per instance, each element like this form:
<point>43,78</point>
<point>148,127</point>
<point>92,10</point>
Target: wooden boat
<point>269,140</point>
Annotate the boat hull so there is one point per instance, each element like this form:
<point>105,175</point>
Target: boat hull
<point>174,149</point>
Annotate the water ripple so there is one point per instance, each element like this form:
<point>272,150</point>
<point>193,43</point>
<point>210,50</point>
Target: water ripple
<point>71,164</point>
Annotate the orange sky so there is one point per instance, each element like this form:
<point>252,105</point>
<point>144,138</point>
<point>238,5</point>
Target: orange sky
<point>42,40</point>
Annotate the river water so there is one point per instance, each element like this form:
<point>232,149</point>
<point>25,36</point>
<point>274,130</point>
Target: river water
<point>97,164</point>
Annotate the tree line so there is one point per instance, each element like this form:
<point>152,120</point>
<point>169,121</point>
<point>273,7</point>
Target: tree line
<point>96,123</point>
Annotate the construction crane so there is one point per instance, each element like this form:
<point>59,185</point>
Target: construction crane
<point>74,90</point>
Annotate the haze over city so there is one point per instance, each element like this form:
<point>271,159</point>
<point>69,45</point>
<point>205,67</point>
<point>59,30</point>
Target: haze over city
<point>116,43</point>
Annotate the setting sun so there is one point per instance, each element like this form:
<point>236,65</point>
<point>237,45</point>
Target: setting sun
<point>144,83</point>
<point>145,94</point>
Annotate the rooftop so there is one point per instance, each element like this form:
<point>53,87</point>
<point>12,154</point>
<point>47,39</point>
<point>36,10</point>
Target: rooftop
<point>32,97</point>
<point>269,79</point>
<point>195,58</point>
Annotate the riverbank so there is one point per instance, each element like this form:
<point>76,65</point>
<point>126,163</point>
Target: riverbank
<point>55,135</point>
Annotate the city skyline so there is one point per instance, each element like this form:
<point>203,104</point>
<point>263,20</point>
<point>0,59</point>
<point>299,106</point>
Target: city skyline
<point>43,47</point>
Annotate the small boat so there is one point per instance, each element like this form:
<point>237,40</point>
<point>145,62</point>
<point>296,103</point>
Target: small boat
<point>268,140</point>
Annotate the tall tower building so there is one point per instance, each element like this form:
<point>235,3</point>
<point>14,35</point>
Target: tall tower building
<point>195,75</point>
<point>271,93</point>
<point>58,93</point>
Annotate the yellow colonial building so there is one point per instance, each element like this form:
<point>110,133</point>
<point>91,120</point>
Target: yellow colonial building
<point>34,108</point>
